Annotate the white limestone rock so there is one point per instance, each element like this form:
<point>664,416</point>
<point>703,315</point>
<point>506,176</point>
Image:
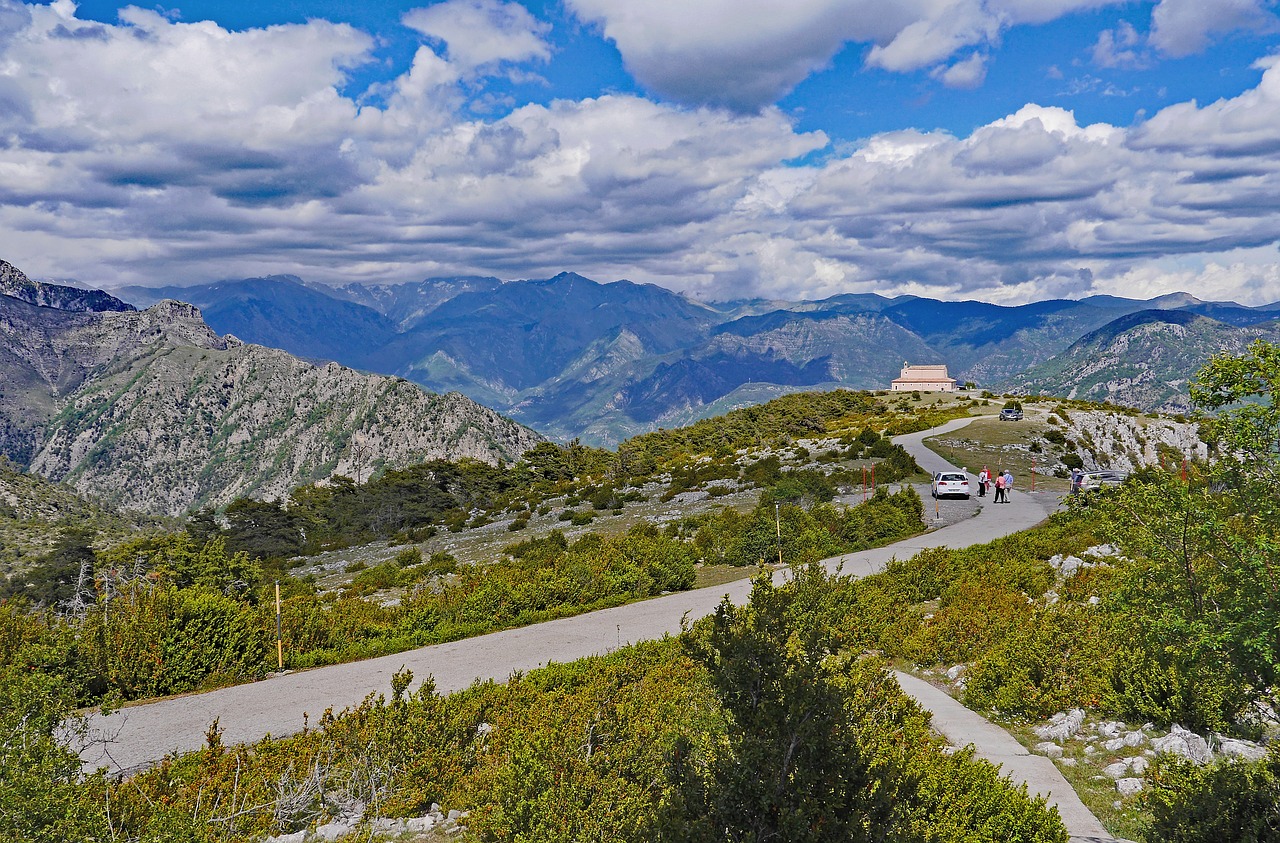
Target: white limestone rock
<point>1061,726</point>
<point>1049,748</point>
<point>1244,750</point>
<point>292,837</point>
<point>1129,786</point>
<point>1185,744</point>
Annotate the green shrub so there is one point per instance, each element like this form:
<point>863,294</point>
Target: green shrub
<point>377,578</point>
<point>1052,661</point>
<point>408,557</point>
<point>1230,801</point>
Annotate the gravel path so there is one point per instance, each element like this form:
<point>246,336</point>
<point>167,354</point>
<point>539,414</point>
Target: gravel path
<point>140,735</point>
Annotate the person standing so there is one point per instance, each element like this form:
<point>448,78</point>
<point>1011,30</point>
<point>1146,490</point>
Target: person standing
<point>1000,489</point>
<point>1076,475</point>
<point>984,477</point>
<point>1008,484</point>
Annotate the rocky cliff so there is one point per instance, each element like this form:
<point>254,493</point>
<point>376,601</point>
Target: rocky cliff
<point>154,411</point>
<point>1144,359</point>
<point>15,284</point>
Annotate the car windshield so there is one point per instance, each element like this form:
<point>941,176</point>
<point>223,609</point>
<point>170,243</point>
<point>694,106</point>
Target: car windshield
<point>951,477</point>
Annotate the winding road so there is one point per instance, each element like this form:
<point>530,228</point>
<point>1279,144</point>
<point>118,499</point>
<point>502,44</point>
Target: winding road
<point>140,735</point>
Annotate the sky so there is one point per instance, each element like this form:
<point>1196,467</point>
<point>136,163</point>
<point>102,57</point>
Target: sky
<point>1001,150</point>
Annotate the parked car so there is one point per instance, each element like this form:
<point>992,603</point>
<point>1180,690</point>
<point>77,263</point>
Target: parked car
<point>950,483</point>
<point>1091,481</point>
<point>1010,414</point>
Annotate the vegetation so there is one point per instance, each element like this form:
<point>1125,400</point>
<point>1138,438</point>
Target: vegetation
<point>771,720</point>
<point>653,742</point>
<point>1226,801</point>
<point>192,616</point>
<point>42,522</point>
<point>815,743</point>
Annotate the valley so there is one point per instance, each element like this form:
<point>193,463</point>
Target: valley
<point>574,358</point>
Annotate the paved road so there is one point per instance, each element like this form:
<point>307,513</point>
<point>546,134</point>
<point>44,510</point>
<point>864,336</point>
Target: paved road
<point>145,733</point>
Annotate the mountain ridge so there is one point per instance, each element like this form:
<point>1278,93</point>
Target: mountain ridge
<point>155,411</point>
<point>1143,359</point>
<point>577,358</point>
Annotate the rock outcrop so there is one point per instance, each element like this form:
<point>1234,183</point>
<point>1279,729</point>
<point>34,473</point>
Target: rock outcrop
<point>153,411</point>
<point>15,284</point>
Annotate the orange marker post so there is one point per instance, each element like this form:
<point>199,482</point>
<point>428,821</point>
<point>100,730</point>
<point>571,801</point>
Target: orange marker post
<point>279,644</point>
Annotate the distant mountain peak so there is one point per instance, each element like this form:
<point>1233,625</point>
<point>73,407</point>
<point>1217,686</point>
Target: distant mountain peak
<point>15,284</point>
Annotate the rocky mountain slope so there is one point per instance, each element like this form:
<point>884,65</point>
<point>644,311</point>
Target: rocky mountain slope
<point>15,284</point>
<point>574,358</point>
<point>1143,359</point>
<point>154,411</point>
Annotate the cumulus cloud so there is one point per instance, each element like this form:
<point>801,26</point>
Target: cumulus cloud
<point>1183,27</point>
<point>967,73</point>
<point>156,151</point>
<point>483,33</point>
<point>739,53</point>
<point>1119,48</point>
<point>748,53</point>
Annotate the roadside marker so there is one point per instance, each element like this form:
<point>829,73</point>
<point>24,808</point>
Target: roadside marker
<point>279,645</point>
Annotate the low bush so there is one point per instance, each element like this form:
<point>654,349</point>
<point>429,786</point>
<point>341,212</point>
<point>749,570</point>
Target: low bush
<point>1230,800</point>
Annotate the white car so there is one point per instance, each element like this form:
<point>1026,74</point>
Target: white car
<point>950,483</point>
<point>1091,481</point>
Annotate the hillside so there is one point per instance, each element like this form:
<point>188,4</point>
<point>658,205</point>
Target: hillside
<point>154,411</point>
<point>1142,359</point>
<point>35,515</point>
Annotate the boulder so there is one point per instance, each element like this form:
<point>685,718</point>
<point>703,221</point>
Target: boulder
<point>1061,726</point>
<point>1129,786</point>
<point>334,830</point>
<point>1185,744</point>
<point>1049,748</point>
<point>292,837</point>
<point>1245,750</point>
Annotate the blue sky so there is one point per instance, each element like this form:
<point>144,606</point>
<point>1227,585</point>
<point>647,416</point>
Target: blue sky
<point>1005,150</point>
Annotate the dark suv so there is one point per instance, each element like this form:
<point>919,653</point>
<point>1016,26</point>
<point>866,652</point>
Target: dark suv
<point>1010,414</point>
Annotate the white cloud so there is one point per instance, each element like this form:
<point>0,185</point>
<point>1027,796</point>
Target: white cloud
<point>1247,276</point>
<point>935,37</point>
<point>1183,27</point>
<point>154,151</point>
<point>748,53</point>
<point>967,73</point>
<point>740,53</point>
<point>483,33</point>
<point>1119,48</point>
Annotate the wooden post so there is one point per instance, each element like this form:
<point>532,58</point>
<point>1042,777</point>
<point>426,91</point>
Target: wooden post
<point>279,642</point>
<point>777,521</point>
<point>864,484</point>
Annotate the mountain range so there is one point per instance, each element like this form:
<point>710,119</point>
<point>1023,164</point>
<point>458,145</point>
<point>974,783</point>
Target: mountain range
<point>154,411</point>
<point>1146,359</point>
<point>574,358</point>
